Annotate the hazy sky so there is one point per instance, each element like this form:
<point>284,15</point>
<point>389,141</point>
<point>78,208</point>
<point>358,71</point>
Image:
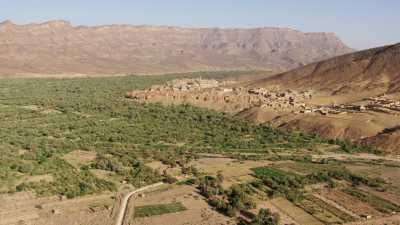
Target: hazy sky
<point>359,23</point>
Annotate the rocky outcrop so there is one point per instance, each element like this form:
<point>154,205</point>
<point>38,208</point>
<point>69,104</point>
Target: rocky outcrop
<point>57,47</point>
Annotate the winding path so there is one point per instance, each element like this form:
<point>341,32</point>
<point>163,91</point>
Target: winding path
<point>125,200</point>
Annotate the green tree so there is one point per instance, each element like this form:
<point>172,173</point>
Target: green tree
<point>266,217</point>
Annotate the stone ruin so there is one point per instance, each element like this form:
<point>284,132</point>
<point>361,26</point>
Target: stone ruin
<point>383,104</point>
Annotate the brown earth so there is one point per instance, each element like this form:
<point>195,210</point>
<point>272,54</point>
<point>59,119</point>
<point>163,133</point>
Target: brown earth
<point>393,220</point>
<point>351,203</point>
<point>390,174</point>
<point>368,128</point>
<point>374,71</point>
<point>197,212</point>
<point>294,212</point>
<point>79,158</point>
<point>388,139</point>
<point>232,170</point>
<point>24,208</point>
<point>57,47</point>
<point>347,79</point>
<point>350,126</point>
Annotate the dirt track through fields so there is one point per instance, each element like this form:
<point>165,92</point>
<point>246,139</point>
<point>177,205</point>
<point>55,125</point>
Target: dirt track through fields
<point>121,214</point>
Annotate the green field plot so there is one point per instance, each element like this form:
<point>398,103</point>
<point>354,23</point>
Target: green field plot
<point>278,177</point>
<point>268,172</point>
<point>306,168</point>
<point>159,209</point>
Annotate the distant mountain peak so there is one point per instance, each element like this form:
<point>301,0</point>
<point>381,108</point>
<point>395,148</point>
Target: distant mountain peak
<point>57,23</point>
<point>7,23</point>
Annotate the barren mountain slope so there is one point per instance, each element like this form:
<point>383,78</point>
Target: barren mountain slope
<point>347,79</point>
<point>374,70</point>
<point>388,139</point>
<point>56,47</point>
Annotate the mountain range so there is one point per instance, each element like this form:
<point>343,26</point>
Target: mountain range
<point>57,47</point>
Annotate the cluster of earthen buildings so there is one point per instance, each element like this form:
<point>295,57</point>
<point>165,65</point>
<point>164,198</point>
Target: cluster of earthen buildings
<point>383,104</point>
<point>333,109</point>
<point>378,104</point>
<point>208,93</point>
<point>214,95</point>
<point>186,85</point>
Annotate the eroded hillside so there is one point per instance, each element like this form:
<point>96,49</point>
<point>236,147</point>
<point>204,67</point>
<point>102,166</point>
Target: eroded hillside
<point>369,72</point>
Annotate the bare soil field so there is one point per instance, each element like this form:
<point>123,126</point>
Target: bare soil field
<point>197,212</point>
<point>391,194</point>
<point>79,158</point>
<point>388,173</point>
<point>298,214</point>
<point>24,208</point>
<point>351,203</point>
<point>157,165</point>
<point>336,205</point>
<point>319,211</point>
<point>393,220</point>
<point>232,170</point>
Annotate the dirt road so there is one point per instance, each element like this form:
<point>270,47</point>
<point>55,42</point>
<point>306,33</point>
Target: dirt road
<point>343,156</point>
<point>122,210</point>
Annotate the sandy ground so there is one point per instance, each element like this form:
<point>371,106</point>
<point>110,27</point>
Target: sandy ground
<point>25,209</point>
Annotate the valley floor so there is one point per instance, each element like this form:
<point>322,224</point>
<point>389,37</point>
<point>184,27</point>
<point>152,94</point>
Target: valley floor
<point>71,149</point>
